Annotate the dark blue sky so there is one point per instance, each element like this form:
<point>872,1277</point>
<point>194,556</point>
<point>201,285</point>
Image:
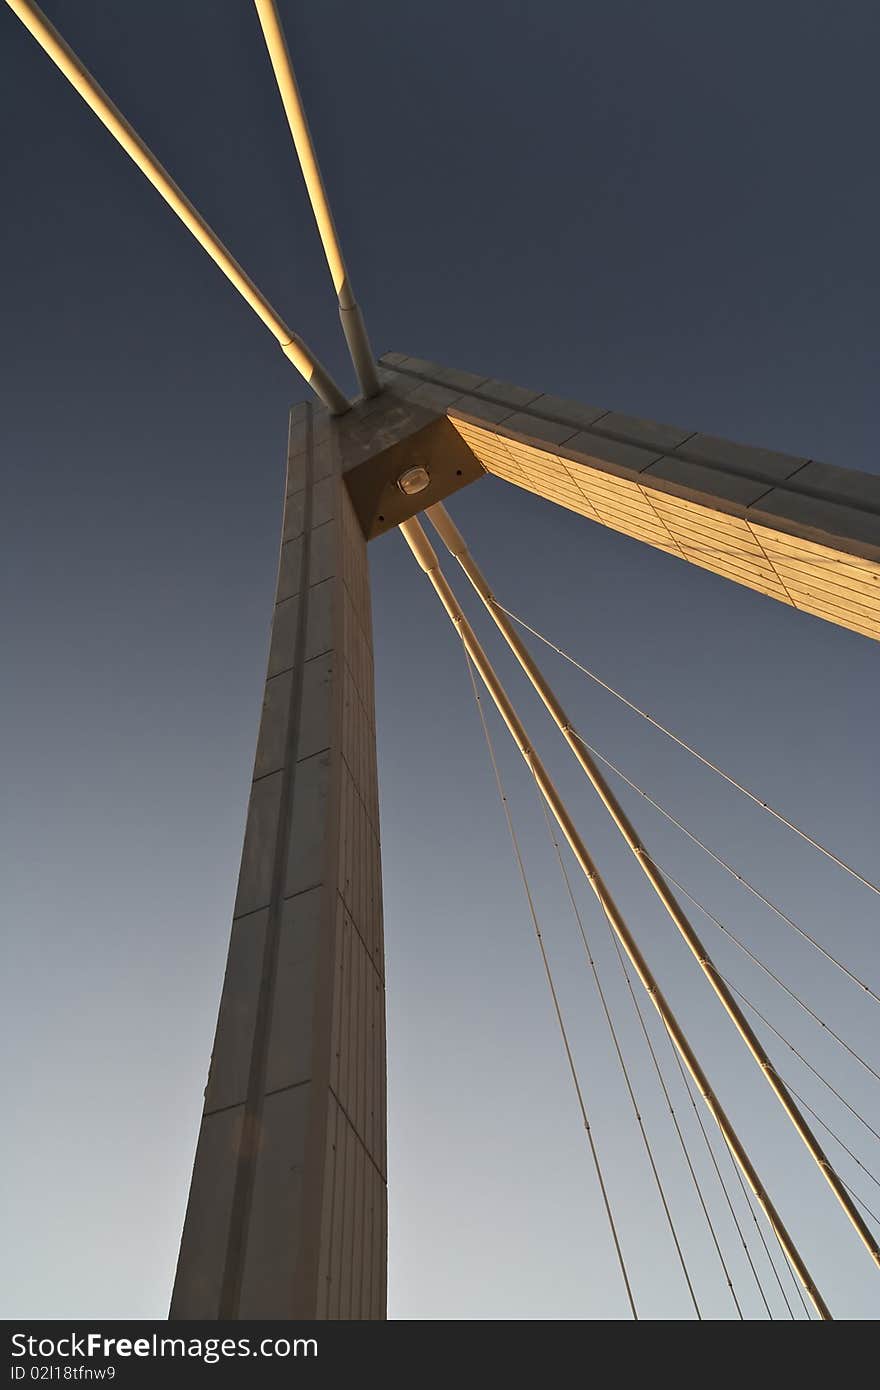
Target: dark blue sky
<point>669,210</point>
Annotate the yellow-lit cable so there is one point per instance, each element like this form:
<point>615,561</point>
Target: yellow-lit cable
<point>96,98</point>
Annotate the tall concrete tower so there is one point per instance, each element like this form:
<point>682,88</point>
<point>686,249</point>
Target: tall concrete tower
<point>287,1212</point>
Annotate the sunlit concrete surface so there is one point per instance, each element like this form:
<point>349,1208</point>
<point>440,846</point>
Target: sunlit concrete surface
<point>287,1211</point>
<point>802,532</point>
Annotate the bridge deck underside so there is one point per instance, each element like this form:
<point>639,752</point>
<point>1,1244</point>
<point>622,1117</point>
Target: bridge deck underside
<point>843,589</point>
<point>802,532</point>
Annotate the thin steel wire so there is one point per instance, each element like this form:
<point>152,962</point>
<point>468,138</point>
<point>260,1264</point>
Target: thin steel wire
<point>623,1067</point>
<point>427,560</point>
<point>63,56</point>
<point>774,907</point>
<point>678,1130</point>
<point>766,969</point>
<point>745,1193</point>
<point>787,1265</point>
<point>688,748</point>
<point>556,1006</point>
<point>837,1139</point>
<point>800,1056</point>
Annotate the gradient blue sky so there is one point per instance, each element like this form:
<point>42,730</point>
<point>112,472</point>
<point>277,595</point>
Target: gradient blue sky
<point>670,210</point>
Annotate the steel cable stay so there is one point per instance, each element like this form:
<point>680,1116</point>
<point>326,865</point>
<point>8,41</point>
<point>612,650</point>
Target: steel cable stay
<point>700,1122</point>
<point>655,1060</point>
<point>426,558</point>
<point>674,1117</point>
<point>797,1288</point>
<point>457,546</point>
<point>799,1098</point>
<point>293,347</point>
<point>756,959</point>
<point>556,1006</point>
<point>747,1198</point>
<point>745,1195</point>
<point>800,1056</point>
<point>728,932</point>
<point>453,539</point>
<point>817,1117</point>
<point>660,1077</point>
<point>774,907</point>
<point>782,1038</point>
<point>688,748</point>
<point>711,1152</point>
<point>837,1139</point>
<point>350,315</point>
<point>623,1067</point>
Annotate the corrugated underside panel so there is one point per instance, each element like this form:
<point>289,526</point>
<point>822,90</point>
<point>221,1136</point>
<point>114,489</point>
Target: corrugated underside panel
<point>833,584</point>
